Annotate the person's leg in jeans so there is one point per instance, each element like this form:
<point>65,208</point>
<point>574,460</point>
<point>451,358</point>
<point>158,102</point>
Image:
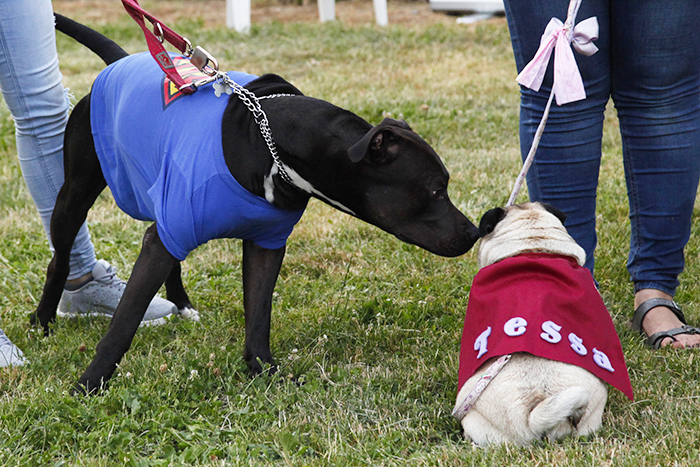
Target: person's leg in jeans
<point>31,85</point>
<point>656,90</point>
<point>565,169</point>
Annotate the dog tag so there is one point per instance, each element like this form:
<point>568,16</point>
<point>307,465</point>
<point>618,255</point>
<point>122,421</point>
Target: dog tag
<point>220,88</point>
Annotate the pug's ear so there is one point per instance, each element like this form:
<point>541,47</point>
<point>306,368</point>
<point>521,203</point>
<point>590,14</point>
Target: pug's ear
<point>489,220</point>
<point>558,213</point>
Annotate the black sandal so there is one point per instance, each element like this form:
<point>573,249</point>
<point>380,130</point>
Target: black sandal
<point>654,341</point>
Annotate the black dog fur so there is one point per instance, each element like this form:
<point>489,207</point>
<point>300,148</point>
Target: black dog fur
<point>385,175</point>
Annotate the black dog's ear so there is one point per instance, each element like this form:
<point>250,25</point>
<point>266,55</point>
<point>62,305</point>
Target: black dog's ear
<point>399,123</point>
<point>489,220</point>
<point>558,213</point>
<point>375,144</point>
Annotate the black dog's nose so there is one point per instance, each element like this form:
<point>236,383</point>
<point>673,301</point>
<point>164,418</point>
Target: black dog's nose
<point>473,232</point>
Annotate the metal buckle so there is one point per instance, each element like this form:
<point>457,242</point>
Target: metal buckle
<point>190,50</point>
<point>204,61</point>
<point>159,32</point>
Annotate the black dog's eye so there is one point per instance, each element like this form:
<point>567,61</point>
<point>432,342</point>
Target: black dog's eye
<point>439,193</point>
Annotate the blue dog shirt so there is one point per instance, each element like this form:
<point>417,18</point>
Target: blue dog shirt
<point>161,154</point>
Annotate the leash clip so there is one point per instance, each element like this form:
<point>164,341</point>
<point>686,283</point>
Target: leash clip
<point>202,59</point>
<point>204,62</point>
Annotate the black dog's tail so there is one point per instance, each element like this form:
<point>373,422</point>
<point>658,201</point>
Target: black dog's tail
<point>108,50</point>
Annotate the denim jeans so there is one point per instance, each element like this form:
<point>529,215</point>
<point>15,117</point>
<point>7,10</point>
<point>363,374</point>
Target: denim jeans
<point>31,86</point>
<point>649,64</point>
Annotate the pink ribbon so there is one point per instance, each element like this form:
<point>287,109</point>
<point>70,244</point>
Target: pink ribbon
<point>568,84</point>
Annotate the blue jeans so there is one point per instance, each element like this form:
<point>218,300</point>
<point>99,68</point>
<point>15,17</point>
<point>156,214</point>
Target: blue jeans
<point>649,63</point>
<point>31,86</point>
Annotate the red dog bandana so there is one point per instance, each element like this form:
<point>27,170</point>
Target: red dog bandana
<point>546,305</point>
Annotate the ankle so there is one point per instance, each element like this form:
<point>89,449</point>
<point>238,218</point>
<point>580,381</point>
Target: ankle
<point>643,295</point>
<point>658,318</point>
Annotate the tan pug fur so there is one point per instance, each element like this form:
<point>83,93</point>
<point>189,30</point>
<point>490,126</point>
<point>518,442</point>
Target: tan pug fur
<point>532,398</point>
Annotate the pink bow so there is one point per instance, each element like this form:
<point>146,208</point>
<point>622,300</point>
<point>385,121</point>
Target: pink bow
<point>568,84</point>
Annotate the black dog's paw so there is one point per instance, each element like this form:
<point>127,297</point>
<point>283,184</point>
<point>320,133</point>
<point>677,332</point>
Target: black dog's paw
<point>86,388</point>
<point>79,390</point>
<point>36,322</point>
<point>257,367</point>
<point>297,381</point>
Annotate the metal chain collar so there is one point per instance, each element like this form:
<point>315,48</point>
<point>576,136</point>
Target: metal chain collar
<point>208,65</point>
<point>252,102</point>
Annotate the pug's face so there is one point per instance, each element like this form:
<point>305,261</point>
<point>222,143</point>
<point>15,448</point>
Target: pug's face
<point>525,228</point>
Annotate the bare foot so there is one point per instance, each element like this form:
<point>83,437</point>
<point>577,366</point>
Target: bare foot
<point>662,319</point>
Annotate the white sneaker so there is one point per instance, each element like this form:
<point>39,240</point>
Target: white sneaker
<point>10,355</point>
<point>101,295</point>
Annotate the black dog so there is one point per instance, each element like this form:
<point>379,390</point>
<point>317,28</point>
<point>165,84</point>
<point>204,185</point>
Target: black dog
<point>385,175</point>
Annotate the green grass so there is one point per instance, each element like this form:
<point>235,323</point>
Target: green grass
<point>370,325</point>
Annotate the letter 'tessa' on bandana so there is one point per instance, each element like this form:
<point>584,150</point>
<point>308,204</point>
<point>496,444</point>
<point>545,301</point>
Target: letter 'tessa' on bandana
<point>546,305</point>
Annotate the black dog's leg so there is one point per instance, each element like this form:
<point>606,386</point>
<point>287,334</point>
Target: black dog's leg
<point>175,290</point>
<point>152,267</point>
<point>260,270</point>
<point>83,183</point>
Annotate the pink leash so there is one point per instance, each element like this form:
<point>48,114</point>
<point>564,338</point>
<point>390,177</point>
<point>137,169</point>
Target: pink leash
<point>460,411</point>
<point>568,84</point>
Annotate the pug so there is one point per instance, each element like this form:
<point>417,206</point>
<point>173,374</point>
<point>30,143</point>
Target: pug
<point>538,345</point>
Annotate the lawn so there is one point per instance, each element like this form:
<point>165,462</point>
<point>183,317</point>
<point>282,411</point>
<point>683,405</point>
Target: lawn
<point>369,325</point>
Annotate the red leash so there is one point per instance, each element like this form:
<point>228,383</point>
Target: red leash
<point>208,65</point>
<point>199,57</point>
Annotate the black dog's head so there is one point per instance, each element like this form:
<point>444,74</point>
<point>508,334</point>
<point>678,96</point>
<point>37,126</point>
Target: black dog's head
<point>403,190</point>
